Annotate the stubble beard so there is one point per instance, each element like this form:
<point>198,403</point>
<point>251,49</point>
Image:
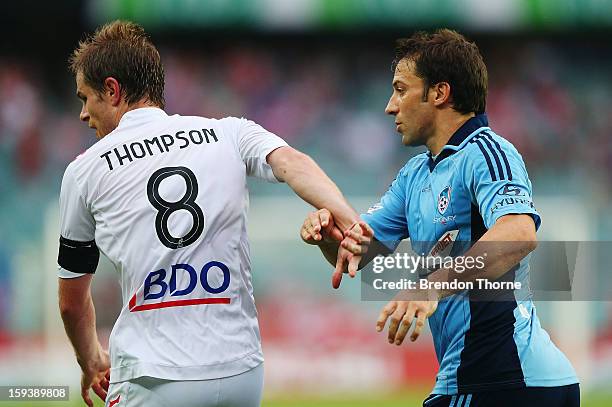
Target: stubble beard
<point>413,139</point>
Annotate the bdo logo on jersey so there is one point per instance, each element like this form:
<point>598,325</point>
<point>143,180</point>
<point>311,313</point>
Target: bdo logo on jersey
<point>182,281</point>
<point>444,199</point>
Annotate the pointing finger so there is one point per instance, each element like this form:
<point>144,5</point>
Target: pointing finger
<point>337,276</point>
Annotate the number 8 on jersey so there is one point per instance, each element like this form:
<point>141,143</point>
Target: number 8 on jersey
<point>165,208</point>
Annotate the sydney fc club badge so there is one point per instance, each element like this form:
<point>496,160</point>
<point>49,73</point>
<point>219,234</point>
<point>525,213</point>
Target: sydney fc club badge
<point>444,200</point>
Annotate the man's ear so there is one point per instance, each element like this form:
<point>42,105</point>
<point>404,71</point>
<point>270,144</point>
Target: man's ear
<point>112,89</point>
<point>441,93</point>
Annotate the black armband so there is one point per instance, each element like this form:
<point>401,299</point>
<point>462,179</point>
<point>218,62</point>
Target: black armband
<point>78,257</point>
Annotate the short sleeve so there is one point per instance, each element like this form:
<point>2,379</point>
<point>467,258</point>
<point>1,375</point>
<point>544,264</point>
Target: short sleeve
<point>254,145</point>
<point>77,226</point>
<point>388,217</point>
<point>499,182</point>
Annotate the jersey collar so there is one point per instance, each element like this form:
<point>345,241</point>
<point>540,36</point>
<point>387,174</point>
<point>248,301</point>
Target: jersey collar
<point>460,138</point>
<point>143,113</point>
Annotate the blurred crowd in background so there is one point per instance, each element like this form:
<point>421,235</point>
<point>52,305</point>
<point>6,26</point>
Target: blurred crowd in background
<point>550,98</point>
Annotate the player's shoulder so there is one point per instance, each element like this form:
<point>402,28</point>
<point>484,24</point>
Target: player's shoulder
<point>86,162</point>
<point>414,164</point>
<point>84,158</point>
<point>492,156</point>
<point>70,179</point>
<point>229,121</point>
<point>490,144</point>
<point>409,169</point>
<point>229,126</point>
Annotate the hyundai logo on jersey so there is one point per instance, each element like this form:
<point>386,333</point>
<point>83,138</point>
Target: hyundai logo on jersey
<point>511,190</point>
<point>444,199</point>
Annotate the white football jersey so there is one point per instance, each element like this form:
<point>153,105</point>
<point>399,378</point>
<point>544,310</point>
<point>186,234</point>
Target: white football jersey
<point>165,199</point>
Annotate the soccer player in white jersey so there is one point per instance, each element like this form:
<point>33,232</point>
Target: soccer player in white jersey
<point>165,199</point>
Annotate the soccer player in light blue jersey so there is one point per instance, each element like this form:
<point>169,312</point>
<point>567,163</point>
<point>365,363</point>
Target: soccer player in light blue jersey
<point>470,186</point>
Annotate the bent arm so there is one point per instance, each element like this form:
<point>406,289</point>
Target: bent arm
<point>78,313</point>
<point>311,184</point>
<point>509,241</point>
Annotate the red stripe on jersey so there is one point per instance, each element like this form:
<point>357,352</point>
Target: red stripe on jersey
<point>178,303</point>
<point>115,401</point>
<point>132,302</point>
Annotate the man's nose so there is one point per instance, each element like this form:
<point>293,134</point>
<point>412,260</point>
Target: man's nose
<point>84,115</point>
<point>391,107</point>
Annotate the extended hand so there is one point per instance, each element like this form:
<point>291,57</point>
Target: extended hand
<point>96,375</point>
<point>319,227</point>
<point>355,244</point>
<point>358,238</point>
<point>401,314</point>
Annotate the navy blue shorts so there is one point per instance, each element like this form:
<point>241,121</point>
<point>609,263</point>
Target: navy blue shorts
<point>562,396</point>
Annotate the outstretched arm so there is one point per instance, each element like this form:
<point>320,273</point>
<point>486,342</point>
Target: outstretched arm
<point>311,184</point>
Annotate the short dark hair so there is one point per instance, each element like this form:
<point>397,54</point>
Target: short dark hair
<point>447,56</point>
<point>121,50</point>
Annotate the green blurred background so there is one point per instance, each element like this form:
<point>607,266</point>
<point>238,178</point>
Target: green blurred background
<point>317,73</point>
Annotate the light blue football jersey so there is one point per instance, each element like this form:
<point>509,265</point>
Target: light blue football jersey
<point>477,178</point>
